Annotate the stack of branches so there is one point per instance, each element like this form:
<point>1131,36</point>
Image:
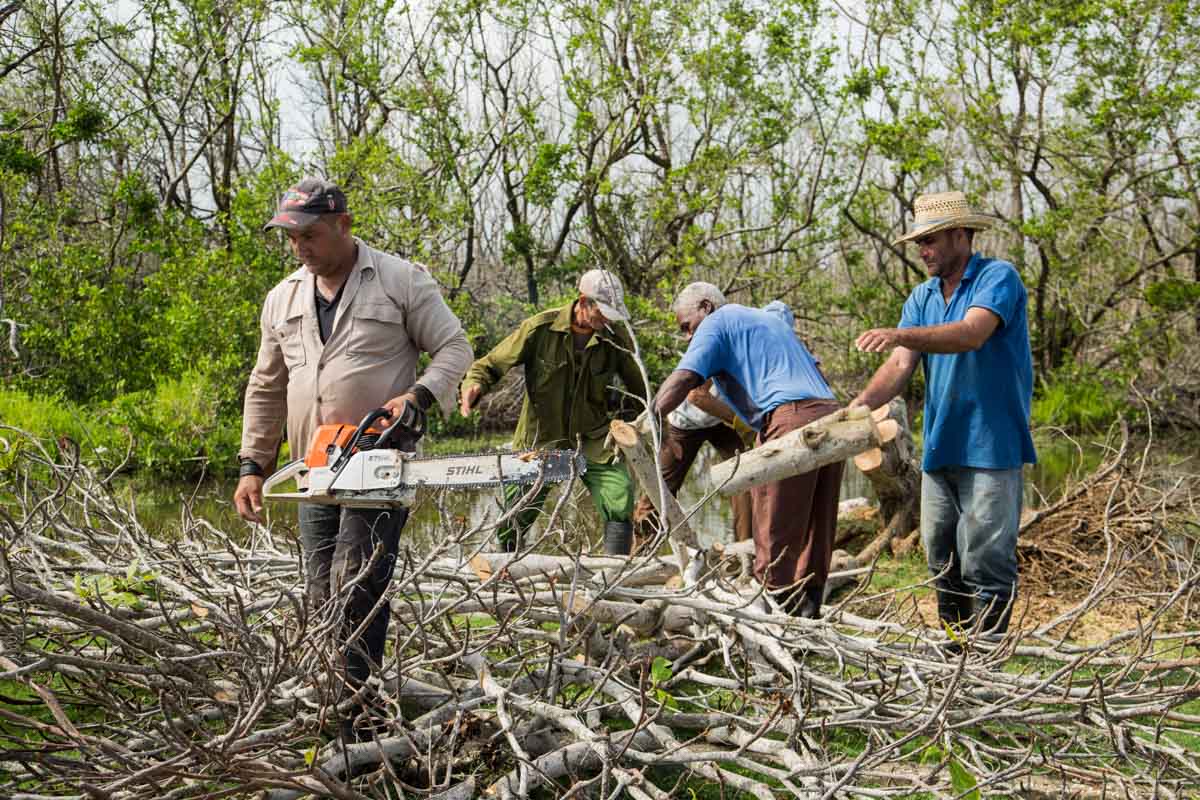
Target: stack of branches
<point>1115,526</point>
<point>133,667</point>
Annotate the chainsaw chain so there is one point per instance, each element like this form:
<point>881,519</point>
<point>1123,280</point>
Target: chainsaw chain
<point>568,456</point>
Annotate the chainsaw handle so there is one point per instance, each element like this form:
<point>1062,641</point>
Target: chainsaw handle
<point>367,422</point>
<point>409,425</point>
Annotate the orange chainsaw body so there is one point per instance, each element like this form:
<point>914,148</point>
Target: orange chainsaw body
<point>329,441</point>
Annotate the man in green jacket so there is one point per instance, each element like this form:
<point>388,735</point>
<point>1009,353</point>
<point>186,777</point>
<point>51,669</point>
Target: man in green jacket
<point>571,355</point>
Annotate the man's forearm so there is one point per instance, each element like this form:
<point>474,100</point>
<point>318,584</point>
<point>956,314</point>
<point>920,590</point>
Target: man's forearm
<point>887,382</point>
<point>674,389</point>
<point>952,337</point>
<point>710,405</point>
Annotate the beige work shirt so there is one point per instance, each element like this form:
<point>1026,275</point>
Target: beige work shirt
<point>390,312</point>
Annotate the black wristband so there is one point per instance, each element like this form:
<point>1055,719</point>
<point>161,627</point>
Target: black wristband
<point>425,398</point>
<point>248,466</point>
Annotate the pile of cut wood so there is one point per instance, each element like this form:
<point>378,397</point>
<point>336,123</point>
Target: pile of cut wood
<point>134,667</point>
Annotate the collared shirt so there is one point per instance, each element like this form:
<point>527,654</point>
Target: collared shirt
<point>755,360</point>
<point>567,392</point>
<point>390,312</point>
<point>977,403</point>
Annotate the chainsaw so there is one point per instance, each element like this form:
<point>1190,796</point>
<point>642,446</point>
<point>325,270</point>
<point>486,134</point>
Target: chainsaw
<point>377,467</point>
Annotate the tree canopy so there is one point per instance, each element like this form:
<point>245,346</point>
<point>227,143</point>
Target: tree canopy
<point>773,148</point>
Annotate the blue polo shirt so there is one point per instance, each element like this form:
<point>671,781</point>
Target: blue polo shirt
<point>755,360</point>
<point>977,403</point>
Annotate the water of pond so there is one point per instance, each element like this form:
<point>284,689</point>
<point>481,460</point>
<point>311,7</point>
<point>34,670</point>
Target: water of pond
<point>1061,461</point>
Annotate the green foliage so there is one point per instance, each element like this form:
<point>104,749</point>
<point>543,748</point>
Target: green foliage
<point>1080,400</point>
<point>660,673</point>
<point>176,428</point>
<point>15,157</point>
<point>53,419</point>
<point>963,781</point>
<point>657,334</point>
<point>170,431</point>
<point>1173,295</point>
<point>85,121</point>
<point>134,590</point>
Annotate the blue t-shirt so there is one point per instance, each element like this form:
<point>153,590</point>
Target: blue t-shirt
<point>755,360</point>
<point>977,403</point>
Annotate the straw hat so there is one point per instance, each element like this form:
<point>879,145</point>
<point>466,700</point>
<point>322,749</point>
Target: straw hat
<point>942,211</point>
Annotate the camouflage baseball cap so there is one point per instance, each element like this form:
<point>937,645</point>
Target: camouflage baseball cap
<point>304,203</point>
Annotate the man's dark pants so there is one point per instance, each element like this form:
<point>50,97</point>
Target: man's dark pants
<point>675,458</point>
<point>795,519</point>
<point>337,543</point>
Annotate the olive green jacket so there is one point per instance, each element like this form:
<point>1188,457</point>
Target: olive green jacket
<point>565,396</point>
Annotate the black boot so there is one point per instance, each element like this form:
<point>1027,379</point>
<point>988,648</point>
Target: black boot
<point>618,538</point>
<point>996,612</point>
<point>810,602</point>
<point>954,608</point>
<point>789,600</point>
<point>955,611</point>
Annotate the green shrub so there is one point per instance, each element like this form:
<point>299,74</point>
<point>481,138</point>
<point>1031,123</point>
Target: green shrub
<point>52,419</point>
<point>171,431</point>
<point>1071,399</point>
<point>177,428</point>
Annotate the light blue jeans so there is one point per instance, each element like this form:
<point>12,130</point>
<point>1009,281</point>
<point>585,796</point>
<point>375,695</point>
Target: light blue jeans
<point>969,522</point>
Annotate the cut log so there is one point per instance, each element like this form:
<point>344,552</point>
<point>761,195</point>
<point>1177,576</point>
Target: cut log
<point>893,472</point>
<point>832,438</point>
<point>872,459</point>
<point>639,457</point>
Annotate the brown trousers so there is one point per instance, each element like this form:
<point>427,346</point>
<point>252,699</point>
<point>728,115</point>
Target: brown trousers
<point>678,453</point>
<point>795,519</point>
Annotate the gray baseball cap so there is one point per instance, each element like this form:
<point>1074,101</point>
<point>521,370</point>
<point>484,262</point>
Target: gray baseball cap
<point>604,289</point>
<point>305,203</point>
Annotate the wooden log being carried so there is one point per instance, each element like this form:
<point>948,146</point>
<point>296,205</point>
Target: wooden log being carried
<point>893,472</point>
<point>832,438</point>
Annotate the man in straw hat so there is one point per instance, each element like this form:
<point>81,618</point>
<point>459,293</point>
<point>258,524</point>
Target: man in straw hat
<point>571,355</point>
<point>967,325</point>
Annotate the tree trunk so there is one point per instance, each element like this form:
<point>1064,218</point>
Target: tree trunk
<point>644,468</point>
<point>894,473</point>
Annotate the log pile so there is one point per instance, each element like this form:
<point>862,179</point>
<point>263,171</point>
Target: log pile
<point>133,667</point>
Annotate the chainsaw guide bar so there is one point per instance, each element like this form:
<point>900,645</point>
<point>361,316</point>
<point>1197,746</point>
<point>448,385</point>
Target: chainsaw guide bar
<point>386,477</point>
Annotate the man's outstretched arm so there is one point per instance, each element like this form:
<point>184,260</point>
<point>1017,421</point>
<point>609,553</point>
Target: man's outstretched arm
<point>963,336</point>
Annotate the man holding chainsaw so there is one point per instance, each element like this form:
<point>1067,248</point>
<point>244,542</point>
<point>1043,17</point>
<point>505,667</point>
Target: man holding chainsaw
<point>571,356</point>
<point>340,337</point>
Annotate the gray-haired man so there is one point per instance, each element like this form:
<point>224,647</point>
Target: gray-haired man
<point>772,381</point>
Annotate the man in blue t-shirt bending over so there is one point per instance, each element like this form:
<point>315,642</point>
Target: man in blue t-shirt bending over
<point>772,383</point>
<point>967,326</point>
